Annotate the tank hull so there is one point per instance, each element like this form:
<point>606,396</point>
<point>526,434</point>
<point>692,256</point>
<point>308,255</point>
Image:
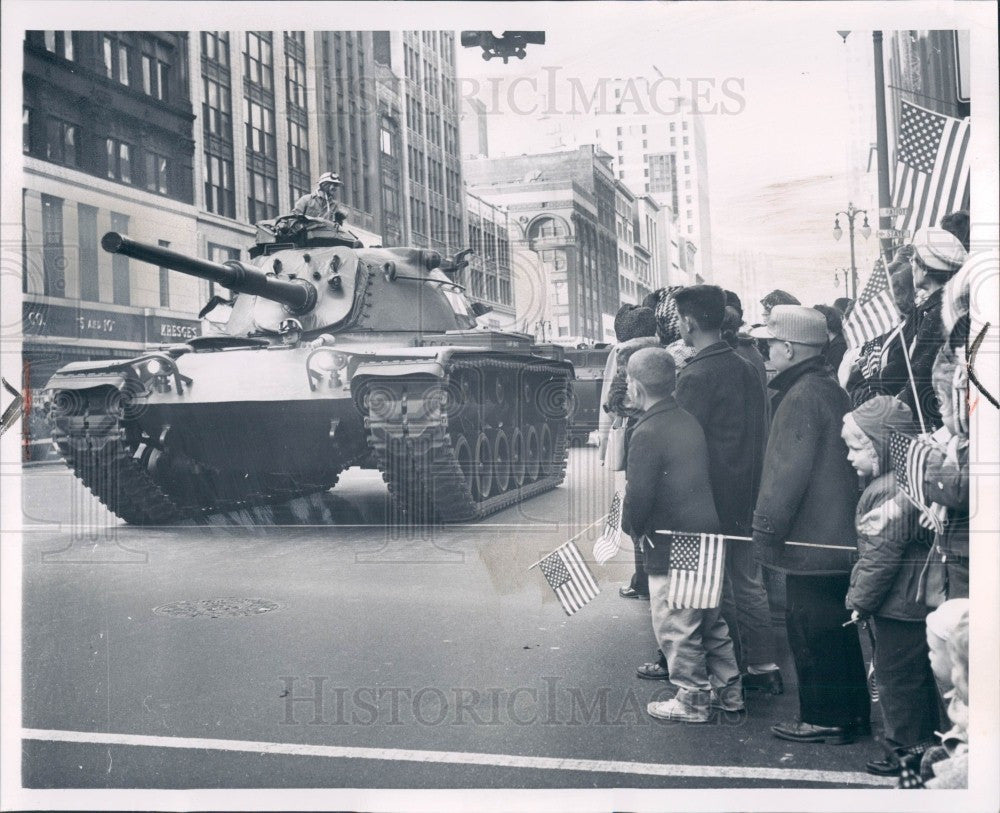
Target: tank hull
<point>457,432</point>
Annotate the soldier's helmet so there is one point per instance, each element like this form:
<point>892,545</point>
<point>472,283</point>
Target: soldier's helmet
<point>329,178</point>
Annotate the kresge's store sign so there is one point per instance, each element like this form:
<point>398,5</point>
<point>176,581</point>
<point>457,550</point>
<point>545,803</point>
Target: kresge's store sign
<point>82,324</point>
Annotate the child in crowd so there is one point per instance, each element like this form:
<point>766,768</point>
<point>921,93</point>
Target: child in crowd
<point>892,550</point>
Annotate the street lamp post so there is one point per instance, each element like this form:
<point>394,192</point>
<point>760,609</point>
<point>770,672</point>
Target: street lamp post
<point>838,232</point>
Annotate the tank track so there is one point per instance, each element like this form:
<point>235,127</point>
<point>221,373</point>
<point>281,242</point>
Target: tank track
<point>416,455</point>
<point>95,448</point>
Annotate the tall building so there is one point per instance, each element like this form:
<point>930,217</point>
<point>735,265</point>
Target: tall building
<point>630,290</point>
<point>108,143</point>
<point>473,128</point>
<point>185,141</point>
<point>562,209</point>
<point>488,277</point>
<point>417,97</point>
<point>665,157</point>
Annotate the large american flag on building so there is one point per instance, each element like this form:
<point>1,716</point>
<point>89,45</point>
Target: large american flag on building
<point>932,167</point>
<point>694,578</point>
<point>909,458</point>
<point>875,312</point>
<point>569,577</point>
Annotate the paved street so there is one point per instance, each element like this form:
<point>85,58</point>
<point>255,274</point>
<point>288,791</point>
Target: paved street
<point>367,657</point>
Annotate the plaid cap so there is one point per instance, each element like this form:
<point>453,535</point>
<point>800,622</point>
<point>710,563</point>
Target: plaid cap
<point>667,317</point>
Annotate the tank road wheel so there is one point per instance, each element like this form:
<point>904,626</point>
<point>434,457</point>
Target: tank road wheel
<point>501,462</point>
<point>483,468</point>
<point>531,458</point>
<point>517,466</point>
<point>545,449</point>
<point>463,456</point>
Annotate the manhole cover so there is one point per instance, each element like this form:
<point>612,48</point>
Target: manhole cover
<point>217,608</point>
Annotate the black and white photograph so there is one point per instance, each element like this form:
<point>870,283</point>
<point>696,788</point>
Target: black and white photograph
<point>500,406</point>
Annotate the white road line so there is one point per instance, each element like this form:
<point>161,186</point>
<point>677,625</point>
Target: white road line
<point>463,758</point>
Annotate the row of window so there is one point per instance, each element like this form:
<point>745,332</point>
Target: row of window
<point>62,146</point>
<point>154,69</point>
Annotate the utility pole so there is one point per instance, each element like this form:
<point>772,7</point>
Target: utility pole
<point>882,148</point>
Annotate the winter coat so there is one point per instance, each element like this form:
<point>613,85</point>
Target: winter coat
<point>834,352</point>
<point>668,484</point>
<point>723,392</point>
<point>746,349</point>
<point>892,551</point>
<point>923,335</point>
<point>808,489</point>
<point>616,401</point>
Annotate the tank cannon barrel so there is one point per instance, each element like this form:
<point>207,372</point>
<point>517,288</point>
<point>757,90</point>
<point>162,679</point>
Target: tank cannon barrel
<point>298,295</point>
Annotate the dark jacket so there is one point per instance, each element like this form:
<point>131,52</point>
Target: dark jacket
<point>723,392</point>
<point>946,482</point>
<point>668,487</point>
<point>808,490</point>
<point>834,352</point>
<point>922,332</point>
<point>892,552</point>
<point>746,349</point>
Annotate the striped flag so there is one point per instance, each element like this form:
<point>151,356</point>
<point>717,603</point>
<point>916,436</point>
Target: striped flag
<point>932,166</point>
<point>875,312</point>
<point>567,574</point>
<point>909,457</point>
<point>694,578</point>
<point>610,540</point>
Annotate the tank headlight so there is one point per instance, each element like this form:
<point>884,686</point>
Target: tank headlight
<point>156,367</point>
<point>330,361</point>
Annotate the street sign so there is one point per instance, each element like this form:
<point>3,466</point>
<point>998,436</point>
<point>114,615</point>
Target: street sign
<point>890,211</point>
<point>895,234</point>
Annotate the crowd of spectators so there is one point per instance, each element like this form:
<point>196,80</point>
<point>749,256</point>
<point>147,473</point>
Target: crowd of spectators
<point>806,448</point>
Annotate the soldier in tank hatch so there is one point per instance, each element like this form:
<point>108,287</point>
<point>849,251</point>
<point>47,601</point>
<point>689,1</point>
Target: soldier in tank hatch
<point>323,202</point>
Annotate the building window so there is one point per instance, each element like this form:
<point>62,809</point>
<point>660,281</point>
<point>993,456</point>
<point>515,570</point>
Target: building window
<point>220,254</point>
<point>156,173</point>
<point>258,59</point>
<point>220,196</point>
<point>26,130</point>
<point>154,77</point>
<point>216,109</point>
<point>53,260</point>
<point>295,82</point>
<point>385,140</point>
<point>124,57</point>
<point>59,43</point>
<point>119,160</point>
<point>684,125</point>
<point>120,283</point>
<point>260,127</point>
<point>164,279</point>
<point>215,46</point>
<point>262,196</point>
<point>109,51</point>
<point>61,142</point>
<point>298,147</point>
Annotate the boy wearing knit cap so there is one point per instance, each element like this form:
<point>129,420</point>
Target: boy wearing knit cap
<point>884,587</point>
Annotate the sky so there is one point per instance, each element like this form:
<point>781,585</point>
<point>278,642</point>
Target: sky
<point>781,164</point>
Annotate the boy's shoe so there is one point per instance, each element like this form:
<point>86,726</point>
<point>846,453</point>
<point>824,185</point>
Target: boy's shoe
<point>674,709</point>
<point>729,699</point>
<point>805,732</point>
<point>630,592</point>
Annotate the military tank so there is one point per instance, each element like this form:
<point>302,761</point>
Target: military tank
<point>333,356</point>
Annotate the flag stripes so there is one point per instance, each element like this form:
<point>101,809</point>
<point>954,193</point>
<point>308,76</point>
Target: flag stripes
<point>932,167</point>
<point>694,578</point>
<point>569,577</point>
<point>909,458</point>
<point>875,313</point>
<point>610,540</point>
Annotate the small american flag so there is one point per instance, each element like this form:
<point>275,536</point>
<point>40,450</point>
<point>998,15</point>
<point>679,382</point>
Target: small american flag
<point>932,166</point>
<point>875,312</point>
<point>567,574</point>
<point>610,540</point>
<point>694,580</point>
<point>909,461</point>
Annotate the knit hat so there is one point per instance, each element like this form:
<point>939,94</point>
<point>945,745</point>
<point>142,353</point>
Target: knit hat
<point>878,418</point>
<point>667,318</point>
<point>938,249</point>
<point>633,321</point>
